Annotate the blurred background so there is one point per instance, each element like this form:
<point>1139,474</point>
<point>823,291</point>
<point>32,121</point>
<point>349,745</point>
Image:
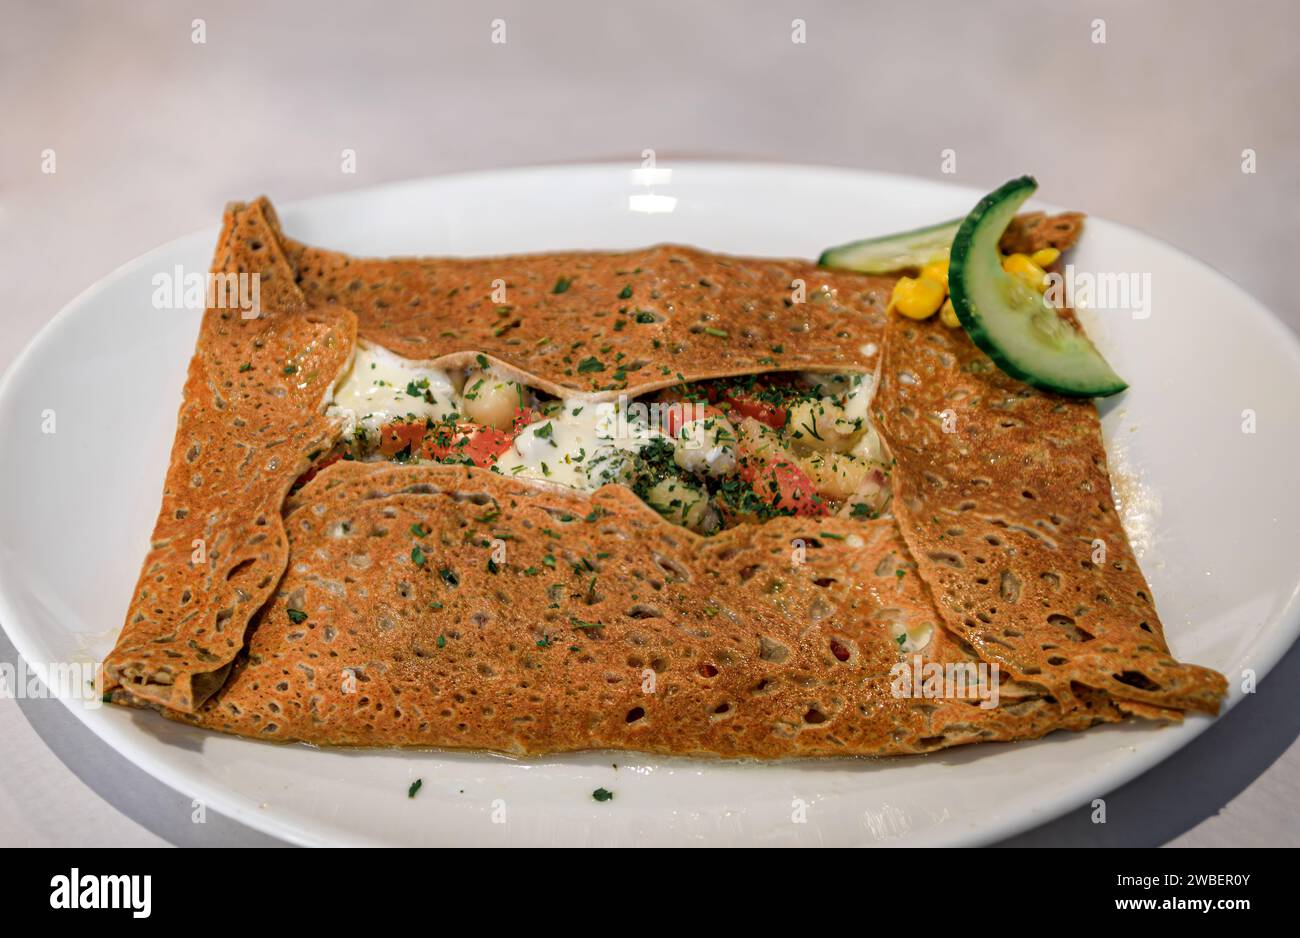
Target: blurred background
<point>153,131</point>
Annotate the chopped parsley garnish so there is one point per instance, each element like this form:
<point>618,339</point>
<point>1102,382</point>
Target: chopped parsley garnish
<point>601,794</point>
<point>625,293</point>
<point>588,365</point>
<point>562,285</point>
<point>449,576</point>
<point>417,556</point>
<point>415,786</point>
<point>296,616</point>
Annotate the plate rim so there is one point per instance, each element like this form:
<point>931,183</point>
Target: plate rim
<point>115,730</point>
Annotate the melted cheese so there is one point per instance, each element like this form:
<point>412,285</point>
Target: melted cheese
<point>583,446</point>
<point>376,390</point>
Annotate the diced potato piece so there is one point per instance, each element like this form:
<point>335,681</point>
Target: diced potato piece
<point>684,504</point>
<point>491,400</point>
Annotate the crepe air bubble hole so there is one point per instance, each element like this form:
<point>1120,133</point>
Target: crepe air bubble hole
<point>1136,679</point>
<point>635,714</point>
<point>772,650</point>
<point>240,567</point>
<point>814,716</point>
<point>840,650</point>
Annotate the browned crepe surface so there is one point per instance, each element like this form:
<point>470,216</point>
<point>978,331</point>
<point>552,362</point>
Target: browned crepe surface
<point>744,646</point>
<point>602,627</point>
<point>249,422</point>
<point>713,314</point>
<point>1005,514</point>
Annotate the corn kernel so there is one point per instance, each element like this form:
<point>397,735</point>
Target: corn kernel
<point>1045,257</point>
<point>948,315</point>
<point>917,299</point>
<point>1025,270</point>
<point>937,271</point>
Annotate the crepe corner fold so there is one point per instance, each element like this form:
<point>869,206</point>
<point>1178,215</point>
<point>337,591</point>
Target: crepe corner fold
<point>250,421</point>
<point>1004,498</point>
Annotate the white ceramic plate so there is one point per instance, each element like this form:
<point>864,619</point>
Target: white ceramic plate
<point>1211,509</point>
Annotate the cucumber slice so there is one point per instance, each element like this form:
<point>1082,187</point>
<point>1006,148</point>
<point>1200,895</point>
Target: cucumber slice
<point>893,252</point>
<point>1011,321</point>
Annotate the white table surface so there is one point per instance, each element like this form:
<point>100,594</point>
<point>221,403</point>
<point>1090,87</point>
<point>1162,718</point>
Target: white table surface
<point>154,133</point>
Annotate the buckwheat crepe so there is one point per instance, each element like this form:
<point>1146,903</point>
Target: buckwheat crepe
<point>370,604</point>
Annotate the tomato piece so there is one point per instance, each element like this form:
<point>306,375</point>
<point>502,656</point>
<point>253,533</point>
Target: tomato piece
<point>745,404</point>
<point>679,413</point>
<point>523,417</point>
<point>395,437</point>
<point>773,415</point>
<point>480,445</point>
<point>783,485</point>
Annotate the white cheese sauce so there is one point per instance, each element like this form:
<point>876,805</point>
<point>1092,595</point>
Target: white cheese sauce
<point>583,446</point>
<point>377,390</point>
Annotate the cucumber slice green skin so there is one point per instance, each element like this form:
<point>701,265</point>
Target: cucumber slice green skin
<point>1010,321</point>
<point>895,252</point>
